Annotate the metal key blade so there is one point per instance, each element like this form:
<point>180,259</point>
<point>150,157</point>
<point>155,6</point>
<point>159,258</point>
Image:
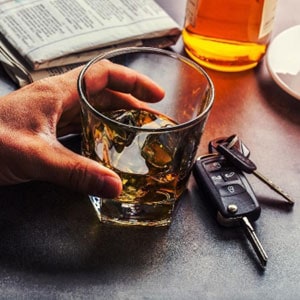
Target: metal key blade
<point>273,186</point>
<point>252,237</point>
<point>238,159</point>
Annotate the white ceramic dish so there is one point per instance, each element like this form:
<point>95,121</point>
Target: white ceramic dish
<point>283,60</point>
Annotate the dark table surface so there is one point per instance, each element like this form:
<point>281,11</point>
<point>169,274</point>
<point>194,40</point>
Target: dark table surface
<point>53,247</point>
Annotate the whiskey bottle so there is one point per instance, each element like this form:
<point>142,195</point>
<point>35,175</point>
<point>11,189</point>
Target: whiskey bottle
<point>230,35</point>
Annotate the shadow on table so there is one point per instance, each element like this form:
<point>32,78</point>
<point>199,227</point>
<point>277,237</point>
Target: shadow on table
<point>284,104</point>
<point>44,228</point>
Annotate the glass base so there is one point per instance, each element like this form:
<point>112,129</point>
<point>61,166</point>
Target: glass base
<point>221,54</point>
<point>220,65</point>
<point>113,212</point>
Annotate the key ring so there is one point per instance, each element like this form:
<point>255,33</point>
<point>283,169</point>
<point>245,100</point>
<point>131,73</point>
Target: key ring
<point>228,142</point>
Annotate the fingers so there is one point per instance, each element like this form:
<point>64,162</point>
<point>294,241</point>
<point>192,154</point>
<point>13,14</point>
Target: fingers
<point>66,168</point>
<point>112,100</point>
<point>122,79</point>
<point>112,86</point>
<point>115,86</point>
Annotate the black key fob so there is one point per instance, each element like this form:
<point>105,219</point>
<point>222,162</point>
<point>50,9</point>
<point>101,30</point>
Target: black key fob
<point>227,189</point>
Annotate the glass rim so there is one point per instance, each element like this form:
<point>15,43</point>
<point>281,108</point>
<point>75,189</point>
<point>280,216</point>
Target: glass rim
<point>120,51</point>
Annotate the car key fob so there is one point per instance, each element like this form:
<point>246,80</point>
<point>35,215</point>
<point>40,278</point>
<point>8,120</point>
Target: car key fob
<point>227,188</point>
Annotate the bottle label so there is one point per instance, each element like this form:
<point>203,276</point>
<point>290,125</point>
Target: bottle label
<point>267,18</point>
<point>191,12</point>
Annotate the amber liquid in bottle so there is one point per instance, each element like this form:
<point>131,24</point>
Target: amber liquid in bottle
<point>230,35</point>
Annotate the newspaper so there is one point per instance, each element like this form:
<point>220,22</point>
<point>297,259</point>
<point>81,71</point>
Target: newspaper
<point>41,38</point>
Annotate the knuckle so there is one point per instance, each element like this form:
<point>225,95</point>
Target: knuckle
<point>79,177</point>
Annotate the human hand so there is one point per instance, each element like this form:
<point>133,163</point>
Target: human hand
<point>32,118</point>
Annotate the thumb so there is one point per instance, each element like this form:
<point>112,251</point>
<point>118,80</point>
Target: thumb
<point>66,168</point>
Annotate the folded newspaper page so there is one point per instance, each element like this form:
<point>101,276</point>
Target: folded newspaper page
<point>39,38</point>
